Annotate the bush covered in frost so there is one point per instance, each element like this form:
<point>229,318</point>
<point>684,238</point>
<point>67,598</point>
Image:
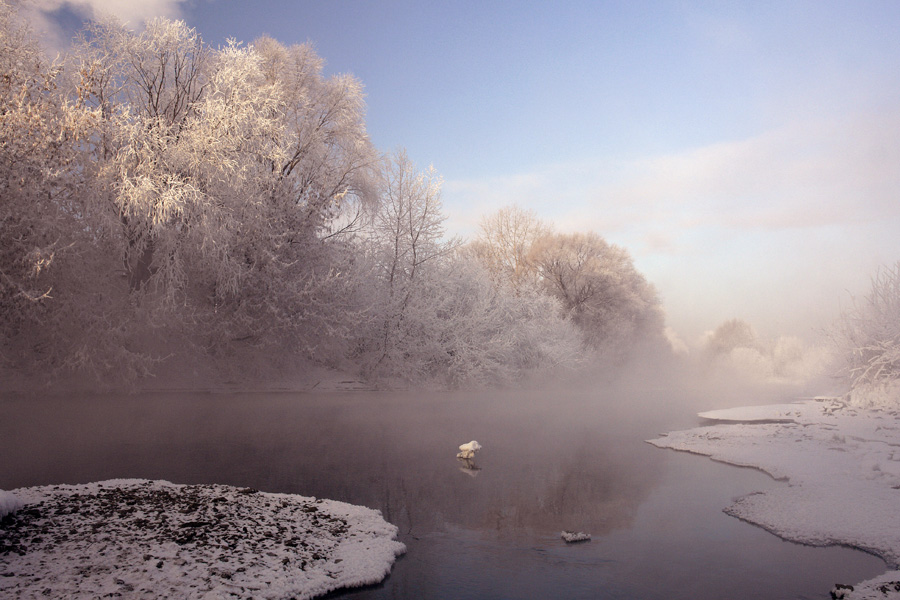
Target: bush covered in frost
<point>8,503</point>
<point>867,337</point>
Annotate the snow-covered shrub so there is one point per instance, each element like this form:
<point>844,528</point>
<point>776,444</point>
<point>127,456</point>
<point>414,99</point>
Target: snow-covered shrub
<point>867,337</point>
<point>8,503</point>
<point>883,395</point>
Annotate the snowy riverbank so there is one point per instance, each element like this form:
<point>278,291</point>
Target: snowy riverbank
<point>841,465</point>
<point>152,539</point>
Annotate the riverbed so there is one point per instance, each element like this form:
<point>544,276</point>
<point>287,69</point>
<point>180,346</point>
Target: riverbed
<point>489,529</point>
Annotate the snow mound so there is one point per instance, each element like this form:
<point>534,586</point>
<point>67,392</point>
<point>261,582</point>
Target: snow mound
<point>842,465</point>
<point>8,504</point>
<point>153,539</point>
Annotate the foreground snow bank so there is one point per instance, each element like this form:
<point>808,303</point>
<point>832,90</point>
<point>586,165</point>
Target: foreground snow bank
<point>842,465</point>
<point>154,539</point>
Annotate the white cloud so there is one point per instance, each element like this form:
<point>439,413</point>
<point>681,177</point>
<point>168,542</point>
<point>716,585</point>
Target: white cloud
<point>56,33</point>
<point>803,175</point>
<point>130,11</point>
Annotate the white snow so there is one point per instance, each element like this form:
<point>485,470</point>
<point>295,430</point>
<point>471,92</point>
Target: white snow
<point>8,503</point>
<point>841,465</point>
<point>153,539</point>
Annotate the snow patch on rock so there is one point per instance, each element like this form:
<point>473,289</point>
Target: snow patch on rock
<point>571,537</point>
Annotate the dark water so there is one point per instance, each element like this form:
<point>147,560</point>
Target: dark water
<point>549,463</point>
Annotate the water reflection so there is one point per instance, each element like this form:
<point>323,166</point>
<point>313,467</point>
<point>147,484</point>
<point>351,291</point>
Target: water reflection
<point>469,467</point>
<point>540,470</point>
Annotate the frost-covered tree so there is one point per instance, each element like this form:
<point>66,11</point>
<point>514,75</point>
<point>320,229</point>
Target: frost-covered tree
<point>145,86</point>
<point>504,246</point>
<point>228,172</point>
<point>405,238</point>
<point>437,315</point>
<point>326,164</point>
<point>867,339</point>
<point>30,111</point>
<point>598,285</point>
<point>51,249</point>
<point>223,184</point>
<point>487,334</point>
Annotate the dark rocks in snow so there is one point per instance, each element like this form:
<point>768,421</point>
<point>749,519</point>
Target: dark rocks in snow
<point>840,591</point>
<point>151,539</point>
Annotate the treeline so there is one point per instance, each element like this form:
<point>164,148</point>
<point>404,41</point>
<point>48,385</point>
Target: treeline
<point>163,200</point>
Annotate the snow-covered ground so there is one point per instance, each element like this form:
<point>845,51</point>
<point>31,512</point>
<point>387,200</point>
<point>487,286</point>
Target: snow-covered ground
<point>153,539</point>
<point>842,470</point>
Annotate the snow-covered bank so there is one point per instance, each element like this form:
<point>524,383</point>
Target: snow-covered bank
<point>841,465</point>
<point>154,539</point>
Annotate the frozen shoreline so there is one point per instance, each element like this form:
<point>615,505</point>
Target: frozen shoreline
<point>842,470</point>
<point>150,539</point>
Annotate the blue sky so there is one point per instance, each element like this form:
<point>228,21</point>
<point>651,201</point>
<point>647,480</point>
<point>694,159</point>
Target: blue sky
<point>747,154</point>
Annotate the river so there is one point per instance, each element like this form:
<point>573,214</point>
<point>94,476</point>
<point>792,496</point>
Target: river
<point>550,462</point>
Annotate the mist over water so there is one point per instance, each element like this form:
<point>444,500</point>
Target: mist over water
<point>552,460</point>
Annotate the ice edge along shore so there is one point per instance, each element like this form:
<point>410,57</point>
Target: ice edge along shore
<point>841,466</point>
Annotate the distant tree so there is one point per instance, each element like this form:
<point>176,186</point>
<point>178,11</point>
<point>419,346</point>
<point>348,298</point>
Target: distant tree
<point>598,285</point>
<point>735,345</point>
<point>504,246</point>
<point>732,334</point>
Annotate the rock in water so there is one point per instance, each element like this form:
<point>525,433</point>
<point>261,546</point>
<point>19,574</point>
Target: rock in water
<point>468,451</point>
<point>575,536</point>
